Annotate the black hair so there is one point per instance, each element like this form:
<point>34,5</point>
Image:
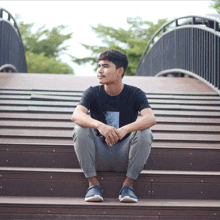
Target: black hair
<point>115,56</point>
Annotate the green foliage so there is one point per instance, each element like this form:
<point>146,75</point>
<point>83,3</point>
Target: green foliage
<point>216,5</point>
<point>132,41</point>
<point>44,47</point>
<point>39,63</point>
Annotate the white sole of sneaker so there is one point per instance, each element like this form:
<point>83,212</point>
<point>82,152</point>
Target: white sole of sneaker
<point>127,199</point>
<point>95,198</point>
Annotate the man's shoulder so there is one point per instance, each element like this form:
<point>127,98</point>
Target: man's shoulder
<point>132,89</point>
<point>93,89</point>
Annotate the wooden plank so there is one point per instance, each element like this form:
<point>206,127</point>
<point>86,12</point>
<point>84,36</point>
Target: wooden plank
<point>55,133</point>
<point>35,116</point>
<point>76,217</point>
<point>74,104</point>
<point>66,118</point>
<point>49,92</point>
<point>164,158</point>
<point>39,159</point>
<point>37,103</point>
<point>187,120</point>
<point>50,133</point>
<point>37,124</point>
<point>69,142</point>
<point>31,140</point>
<point>58,110</point>
<point>70,125</point>
<point>71,182</point>
<point>65,145</point>
<point>15,97</point>
<point>76,208</point>
<point>48,89</point>
<point>186,128</point>
<point>71,93</point>
<point>153,100</point>
<point>186,113</point>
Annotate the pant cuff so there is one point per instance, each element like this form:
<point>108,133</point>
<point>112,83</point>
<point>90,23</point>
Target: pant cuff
<point>89,175</point>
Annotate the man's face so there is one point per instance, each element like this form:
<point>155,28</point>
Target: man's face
<point>107,72</point>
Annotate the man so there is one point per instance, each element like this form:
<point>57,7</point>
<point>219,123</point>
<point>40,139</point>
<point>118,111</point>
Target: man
<point>112,139</point>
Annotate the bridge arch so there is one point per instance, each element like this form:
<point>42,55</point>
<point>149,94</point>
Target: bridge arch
<point>12,54</point>
<point>186,45</point>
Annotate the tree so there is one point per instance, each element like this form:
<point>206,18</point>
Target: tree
<point>132,41</point>
<point>44,47</point>
<point>39,63</point>
<point>216,5</point>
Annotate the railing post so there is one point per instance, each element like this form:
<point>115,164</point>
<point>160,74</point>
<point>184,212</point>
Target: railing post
<point>9,17</point>
<point>216,26</point>
<point>177,24</point>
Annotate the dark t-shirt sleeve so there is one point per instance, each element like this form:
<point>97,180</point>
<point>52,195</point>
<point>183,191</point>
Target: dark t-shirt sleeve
<point>142,101</point>
<point>86,98</point>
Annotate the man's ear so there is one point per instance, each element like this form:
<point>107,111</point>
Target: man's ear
<point>121,71</point>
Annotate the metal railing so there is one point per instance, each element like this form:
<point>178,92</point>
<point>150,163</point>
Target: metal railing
<point>11,47</point>
<point>186,45</point>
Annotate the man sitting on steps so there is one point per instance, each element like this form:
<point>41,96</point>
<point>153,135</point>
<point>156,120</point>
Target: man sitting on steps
<point>112,139</point>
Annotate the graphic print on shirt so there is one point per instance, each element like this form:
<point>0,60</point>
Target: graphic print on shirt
<point>112,118</point>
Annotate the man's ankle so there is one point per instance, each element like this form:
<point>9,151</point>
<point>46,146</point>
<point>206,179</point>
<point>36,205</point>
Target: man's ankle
<point>128,182</point>
<point>93,181</point>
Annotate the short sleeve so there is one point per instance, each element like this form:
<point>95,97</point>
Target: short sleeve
<point>142,101</point>
<point>86,98</point>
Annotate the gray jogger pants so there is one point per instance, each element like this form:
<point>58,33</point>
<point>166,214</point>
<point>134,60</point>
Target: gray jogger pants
<point>129,155</point>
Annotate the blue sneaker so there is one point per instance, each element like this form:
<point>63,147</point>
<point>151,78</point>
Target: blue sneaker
<point>94,194</point>
<point>127,194</point>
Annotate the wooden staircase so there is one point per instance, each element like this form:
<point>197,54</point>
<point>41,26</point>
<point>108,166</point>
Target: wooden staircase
<point>40,176</point>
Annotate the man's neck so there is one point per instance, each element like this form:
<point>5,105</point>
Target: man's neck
<point>113,89</point>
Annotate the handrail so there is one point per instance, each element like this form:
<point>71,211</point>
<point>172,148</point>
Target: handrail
<point>11,46</point>
<point>8,68</point>
<point>194,22</point>
<point>9,19</point>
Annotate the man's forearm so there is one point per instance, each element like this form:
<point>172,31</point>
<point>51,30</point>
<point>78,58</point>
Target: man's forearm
<point>140,124</point>
<point>85,120</point>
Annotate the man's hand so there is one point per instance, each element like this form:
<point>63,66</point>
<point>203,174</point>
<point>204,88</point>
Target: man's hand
<point>110,133</point>
<point>122,132</point>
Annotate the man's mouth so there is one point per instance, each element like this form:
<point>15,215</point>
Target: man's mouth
<point>100,76</point>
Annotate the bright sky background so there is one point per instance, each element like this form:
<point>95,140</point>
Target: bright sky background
<point>79,16</point>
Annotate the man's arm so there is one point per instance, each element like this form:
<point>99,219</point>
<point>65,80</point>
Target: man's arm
<point>81,118</point>
<point>146,120</point>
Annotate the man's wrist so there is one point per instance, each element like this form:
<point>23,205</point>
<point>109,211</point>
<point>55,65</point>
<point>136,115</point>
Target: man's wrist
<point>98,124</point>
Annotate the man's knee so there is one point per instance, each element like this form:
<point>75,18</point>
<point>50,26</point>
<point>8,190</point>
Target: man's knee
<point>80,132</point>
<point>146,136</point>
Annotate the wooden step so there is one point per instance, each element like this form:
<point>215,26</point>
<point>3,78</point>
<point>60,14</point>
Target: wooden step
<point>162,157</point>
<point>24,116</point>
<point>155,106</point>
<point>58,110</point>
<point>72,183</point>
<point>68,125</point>
<point>67,134</point>
<point>76,208</point>
<point>78,92</point>
<point>13,99</point>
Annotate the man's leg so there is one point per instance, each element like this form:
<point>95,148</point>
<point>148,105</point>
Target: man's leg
<point>84,146</point>
<point>91,153</point>
<point>138,148</point>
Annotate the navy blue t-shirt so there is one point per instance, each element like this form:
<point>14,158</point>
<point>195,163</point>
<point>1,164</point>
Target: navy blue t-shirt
<point>115,111</point>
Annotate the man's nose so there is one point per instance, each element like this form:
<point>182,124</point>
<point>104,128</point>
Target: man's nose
<point>100,69</point>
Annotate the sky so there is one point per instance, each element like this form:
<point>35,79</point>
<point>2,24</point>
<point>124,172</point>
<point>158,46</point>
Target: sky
<point>79,16</point>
